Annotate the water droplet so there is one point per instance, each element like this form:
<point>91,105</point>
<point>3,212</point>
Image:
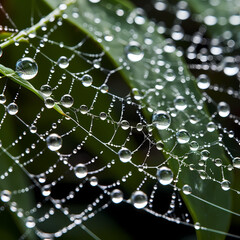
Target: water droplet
<point>46,190</point>
<point>94,1</point>
<point>194,146</point>
<point>139,199</point>
<point>136,94</point>
<point>169,75</point>
<point>30,222</point>
<point>134,52</point>
<point>103,116</point>
<point>54,142</point>
<point>223,109</point>
<point>42,178</point>
<point>83,109</point>
<point>218,162</point>
<point>104,88</point>
<point>186,189</point>
<point>177,33</point>
<point>2,99</point>
<point>183,136</point>
<point>12,108</point>
<point>161,120</point>
<point>139,127</point>
<point>93,181</point>
<point>116,196</point>
<point>160,5</point>
<point>203,81</point>
<point>26,68</point>
<point>236,162</point>
<point>49,102</point>
<point>87,80</point>
<point>46,90</point>
<point>6,195</point>
<point>67,101</point>
<point>159,145</point>
<point>125,124</point>
<point>205,154</point>
<point>197,225</point>
<point>180,103</point>
<point>230,67</point>
<point>125,155</point>
<point>33,129</point>
<point>225,185</point>
<point>63,62</point>
<point>211,127</point>
<point>164,175</point>
<point>80,170</point>
<point>210,20</point>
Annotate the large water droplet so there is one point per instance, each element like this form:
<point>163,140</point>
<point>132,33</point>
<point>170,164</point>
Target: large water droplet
<point>223,109</point>
<point>139,199</point>
<point>63,62</point>
<point>49,102</point>
<point>12,108</point>
<point>134,52</point>
<point>6,195</point>
<point>46,190</point>
<point>54,142</point>
<point>161,120</point>
<point>67,101</point>
<point>2,99</point>
<point>125,124</point>
<point>80,170</point>
<point>117,196</point>
<point>87,80</point>
<point>125,155</point>
<point>46,90</point>
<point>203,81</point>
<point>26,68</point>
<point>183,136</point>
<point>93,181</point>
<point>164,175</point>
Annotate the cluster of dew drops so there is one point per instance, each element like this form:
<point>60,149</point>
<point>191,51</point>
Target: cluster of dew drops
<point>27,69</point>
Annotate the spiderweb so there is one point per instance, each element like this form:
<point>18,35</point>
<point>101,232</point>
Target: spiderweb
<point>83,144</point>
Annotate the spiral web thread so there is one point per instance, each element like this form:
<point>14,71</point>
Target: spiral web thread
<point>93,135</point>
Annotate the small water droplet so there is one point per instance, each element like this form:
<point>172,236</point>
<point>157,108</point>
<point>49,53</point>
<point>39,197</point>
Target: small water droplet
<point>46,190</point>
<point>80,170</point>
<point>116,196</point>
<point>230,67</point>
<point>104,88</point>
<point>205,154</point>
<point>225,185</point>
<point>6,195</point>
<point>93,181</point>
<point>187,189</point>
<point>125,124</point>
<point>67,101</point>
<point>103,116</point>
<point>194,146</point>
<point>33,129</point>
<point>139,199</point>
<point>180,103</point>
<point>30,222</point>
<point>87,80</point>
<point>2,99</point>
<point>83,109</point>
<point>197,225</point>
<point>161,119</point>
<point>211,127</point>
<point>223,109</point>
<point>159,145</point>
<point>183,136</point>
<point>164,175</point>
<point>125,155</point>
<point>26,68</point>
<point>134,52</point>
<point>203,81</point>
<point>54,142</point>
<point>236,162</point>
<point>63,62</point>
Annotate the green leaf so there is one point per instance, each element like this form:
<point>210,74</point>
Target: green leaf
<point>143,76</point>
